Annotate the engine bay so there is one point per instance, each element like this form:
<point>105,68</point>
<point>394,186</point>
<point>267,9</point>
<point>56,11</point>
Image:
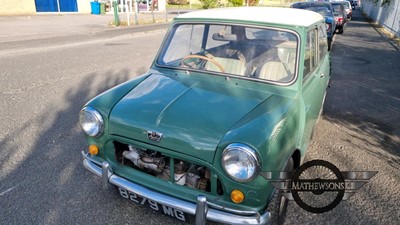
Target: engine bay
<point>167,168</point>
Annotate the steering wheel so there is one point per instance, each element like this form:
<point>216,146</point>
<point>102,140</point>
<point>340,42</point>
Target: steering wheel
<point>220,67</point>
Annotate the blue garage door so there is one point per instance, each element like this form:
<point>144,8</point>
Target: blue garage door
<point>46,5</point>
<point>52,5</point>
<point>68,6</point>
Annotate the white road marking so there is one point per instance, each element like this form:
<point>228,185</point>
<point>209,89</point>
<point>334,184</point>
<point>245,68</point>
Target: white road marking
<point>8,190</point>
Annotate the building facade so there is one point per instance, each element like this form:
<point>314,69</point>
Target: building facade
<point>32,7</point>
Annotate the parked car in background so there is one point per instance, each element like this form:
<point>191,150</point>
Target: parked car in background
<point>323,8</point>
<point>232,93</point>
<point>348,9</point>
<point>340,16</point>
<point>354,3</point>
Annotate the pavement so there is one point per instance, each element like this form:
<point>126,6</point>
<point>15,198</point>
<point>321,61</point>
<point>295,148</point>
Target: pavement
<point>42,26</point>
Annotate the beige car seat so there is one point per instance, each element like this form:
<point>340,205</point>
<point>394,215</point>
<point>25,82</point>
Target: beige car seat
<point>275,71</point>
<point>235,63</point>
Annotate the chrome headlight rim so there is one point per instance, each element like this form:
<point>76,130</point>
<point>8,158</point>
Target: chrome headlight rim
<point>250,152</point>
<point>99,121</point>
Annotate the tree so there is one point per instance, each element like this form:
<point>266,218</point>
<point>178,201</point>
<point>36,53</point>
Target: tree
<point>253,2</point>
<point>236,2</point>
<point>209,4</point>
<point>178,2</point>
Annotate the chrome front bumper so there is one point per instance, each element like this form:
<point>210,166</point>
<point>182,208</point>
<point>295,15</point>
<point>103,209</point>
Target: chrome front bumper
<point>202,210</point>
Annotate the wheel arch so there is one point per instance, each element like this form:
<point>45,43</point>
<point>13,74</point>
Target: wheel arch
<point>296,156</point>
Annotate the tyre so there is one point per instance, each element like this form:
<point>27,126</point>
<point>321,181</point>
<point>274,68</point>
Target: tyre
<point>279,204</point>
<point>329,43</point>
<point>341,29</point>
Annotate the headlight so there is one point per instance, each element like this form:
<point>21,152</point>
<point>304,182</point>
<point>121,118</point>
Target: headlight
<point>91,121</point>
<point>240,162</point>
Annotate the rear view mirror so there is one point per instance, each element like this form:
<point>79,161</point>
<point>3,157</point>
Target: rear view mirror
<point>224,37</point>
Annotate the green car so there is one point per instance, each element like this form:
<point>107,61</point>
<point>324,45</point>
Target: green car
<point>232,93</point>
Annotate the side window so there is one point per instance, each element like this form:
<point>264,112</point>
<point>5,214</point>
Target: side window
<point>310,60</point>
<point>322,42</point>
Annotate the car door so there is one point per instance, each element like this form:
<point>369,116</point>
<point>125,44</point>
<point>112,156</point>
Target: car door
<point>314,84</point>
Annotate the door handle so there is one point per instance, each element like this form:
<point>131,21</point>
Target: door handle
<point>322,75</point>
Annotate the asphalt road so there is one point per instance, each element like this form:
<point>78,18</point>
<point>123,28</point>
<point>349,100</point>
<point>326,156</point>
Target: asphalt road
<point>360,127</point>
<point>45,82</point>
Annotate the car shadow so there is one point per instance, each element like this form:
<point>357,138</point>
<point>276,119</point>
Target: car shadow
<point>51,171</point>
<point>364,92</point>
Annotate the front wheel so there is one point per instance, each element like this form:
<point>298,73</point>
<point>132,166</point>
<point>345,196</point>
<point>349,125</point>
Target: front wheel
<point>329,43</point>
<point>341,29</point>
<point>279,204</point>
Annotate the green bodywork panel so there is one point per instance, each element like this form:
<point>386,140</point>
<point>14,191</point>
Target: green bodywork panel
<point>200,114</point>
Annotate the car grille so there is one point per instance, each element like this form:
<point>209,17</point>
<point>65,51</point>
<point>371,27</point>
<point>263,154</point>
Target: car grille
<point>165,167</point>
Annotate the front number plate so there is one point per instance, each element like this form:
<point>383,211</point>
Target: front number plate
<point>141,201</point>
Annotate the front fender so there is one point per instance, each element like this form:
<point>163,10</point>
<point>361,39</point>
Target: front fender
<point>106,100</point>
<point>104,103</point>
<point>272,129</point>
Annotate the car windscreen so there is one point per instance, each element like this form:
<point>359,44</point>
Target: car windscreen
<point>231,50</point>
<point>336,7</point>
<point>323,10</point>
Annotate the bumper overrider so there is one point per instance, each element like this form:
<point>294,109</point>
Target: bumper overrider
<point>202,209</point>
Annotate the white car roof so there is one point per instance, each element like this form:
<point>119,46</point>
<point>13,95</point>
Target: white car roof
<point>288,16</point>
